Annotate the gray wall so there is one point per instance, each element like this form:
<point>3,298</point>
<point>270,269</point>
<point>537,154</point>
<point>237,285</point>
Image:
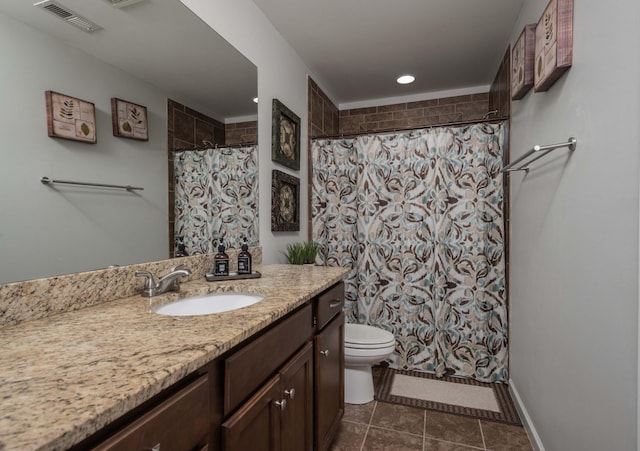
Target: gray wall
<point>574,254</point>
<point>281,75</point>
<point>45,231</point>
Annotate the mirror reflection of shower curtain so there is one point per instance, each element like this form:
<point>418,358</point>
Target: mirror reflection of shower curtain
<point>216,197</point>
<point>419,217</point>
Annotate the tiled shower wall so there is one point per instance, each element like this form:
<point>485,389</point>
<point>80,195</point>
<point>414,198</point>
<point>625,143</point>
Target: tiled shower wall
<point>414,114</point>
<point>500,99</point>
<point>500,92</point>
<point>189,128</point>
<point>323,114</point>
<point>241,132</point>
<point>323,120</point>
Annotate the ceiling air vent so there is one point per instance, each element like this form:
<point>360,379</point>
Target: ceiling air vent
<point>68,16</point>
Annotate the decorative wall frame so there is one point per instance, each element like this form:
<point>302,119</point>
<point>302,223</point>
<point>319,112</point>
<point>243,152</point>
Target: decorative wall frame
<point>285,136</point>
<point>554,44</point>
<point>285,202</point>
<point>70,118</point>
<point>129,120</point>
<point>522,62</point>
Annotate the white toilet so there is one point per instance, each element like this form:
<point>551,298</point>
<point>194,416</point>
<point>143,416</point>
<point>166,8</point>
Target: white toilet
<point>364,346</point>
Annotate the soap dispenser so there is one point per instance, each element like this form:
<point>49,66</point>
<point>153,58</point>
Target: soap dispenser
<point>181,248</point>
<point>244,259</point>
<point>221,261</point>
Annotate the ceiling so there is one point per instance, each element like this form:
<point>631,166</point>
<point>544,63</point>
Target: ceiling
<point>161,42</point>
<point>357,48</point>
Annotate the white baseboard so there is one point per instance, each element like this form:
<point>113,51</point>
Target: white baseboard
<point>534,438</point>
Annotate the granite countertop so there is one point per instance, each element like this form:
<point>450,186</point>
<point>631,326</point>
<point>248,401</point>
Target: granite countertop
<point>66,376</point>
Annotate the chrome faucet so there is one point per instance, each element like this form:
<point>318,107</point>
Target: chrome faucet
<point>169,282</point>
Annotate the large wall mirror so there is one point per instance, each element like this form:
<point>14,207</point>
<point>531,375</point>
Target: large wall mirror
<point>153,53</point>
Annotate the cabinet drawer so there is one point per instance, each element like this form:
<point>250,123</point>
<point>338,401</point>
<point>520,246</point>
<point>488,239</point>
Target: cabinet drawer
<point>248,368</point>
<point>329,304</point>
<point>180,423</point>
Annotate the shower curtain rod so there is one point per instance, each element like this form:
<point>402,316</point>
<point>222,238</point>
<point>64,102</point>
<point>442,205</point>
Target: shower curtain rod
<point>209,145</point>
<point>391,130</point>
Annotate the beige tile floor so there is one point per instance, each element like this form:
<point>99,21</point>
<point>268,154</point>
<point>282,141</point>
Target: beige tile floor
<point>383,426</point>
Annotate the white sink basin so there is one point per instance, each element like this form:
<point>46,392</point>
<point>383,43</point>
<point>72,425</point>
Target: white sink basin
<point>208,303</point>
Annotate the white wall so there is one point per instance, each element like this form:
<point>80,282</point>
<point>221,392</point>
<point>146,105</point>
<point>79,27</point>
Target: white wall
<point>281,75</point>
<point>574,254</point>
<point>45,231</point>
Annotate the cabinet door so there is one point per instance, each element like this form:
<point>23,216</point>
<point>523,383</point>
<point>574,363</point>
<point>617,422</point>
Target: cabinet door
<point>297,387</point>
<point>329,381</point>
<point>256,425</point>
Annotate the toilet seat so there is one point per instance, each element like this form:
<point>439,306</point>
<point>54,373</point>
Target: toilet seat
<point>361,336</point>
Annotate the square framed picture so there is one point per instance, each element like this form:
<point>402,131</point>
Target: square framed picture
<point>522,62</point>
<point>70,118</point>
<point>129,120</point>
<point>554,44</point>
<point>285,136</point>
<point>285,202</point>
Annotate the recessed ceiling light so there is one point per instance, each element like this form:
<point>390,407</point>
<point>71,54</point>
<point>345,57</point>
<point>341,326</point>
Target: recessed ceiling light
<point>406,79</point>
<point>255,100</point>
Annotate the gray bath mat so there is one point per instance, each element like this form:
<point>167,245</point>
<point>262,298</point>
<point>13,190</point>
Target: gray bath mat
<point>461,396</point>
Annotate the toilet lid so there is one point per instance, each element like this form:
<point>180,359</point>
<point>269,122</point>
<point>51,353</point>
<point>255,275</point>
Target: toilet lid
<point>363,336</point>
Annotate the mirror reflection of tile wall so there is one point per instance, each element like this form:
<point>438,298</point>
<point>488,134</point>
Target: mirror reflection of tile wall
<point>188,128</point>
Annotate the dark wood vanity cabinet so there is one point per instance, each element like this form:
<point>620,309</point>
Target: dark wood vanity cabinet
<point>329,365</point>
<point>279,413</point>
<point>300,408</point>
<point>282,389</point>
<point>279,416</point>
<point>329,381</point>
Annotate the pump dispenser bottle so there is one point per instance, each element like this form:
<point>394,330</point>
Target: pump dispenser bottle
<point>244,259</point>
<point>221,261</point>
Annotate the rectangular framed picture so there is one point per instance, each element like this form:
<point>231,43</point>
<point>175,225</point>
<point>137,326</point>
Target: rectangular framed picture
<point>129,120</point>
<point>70,118</point>
<point>285,202</point>
<point>285,136</point>
<point>554,44</point>
<point>522,62</point>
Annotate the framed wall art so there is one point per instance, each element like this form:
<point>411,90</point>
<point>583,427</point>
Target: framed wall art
<point>285,202</point>
<point>285,136</point>
<point>129,120</point>
<point>554,44</point>
<point>522,62</point>
<point>70,118</point>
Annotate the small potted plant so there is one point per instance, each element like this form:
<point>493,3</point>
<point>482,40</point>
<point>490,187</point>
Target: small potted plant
<point>302,253</point>
<point>295,253</point>
<point>310,252</point>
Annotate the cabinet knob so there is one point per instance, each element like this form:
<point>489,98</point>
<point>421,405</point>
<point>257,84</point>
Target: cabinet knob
<point>335,303</point>
<point>325,353</point>
<point>282,404</point>
<point>155,447</point>
<point>290,393</point>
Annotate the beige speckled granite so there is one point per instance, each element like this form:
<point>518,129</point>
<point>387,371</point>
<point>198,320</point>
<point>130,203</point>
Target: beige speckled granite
<point>39,298</point>
<point>66,376</point>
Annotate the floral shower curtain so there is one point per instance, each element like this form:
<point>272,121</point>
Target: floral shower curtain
<point>216,197</point>
<point>419,218</point>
